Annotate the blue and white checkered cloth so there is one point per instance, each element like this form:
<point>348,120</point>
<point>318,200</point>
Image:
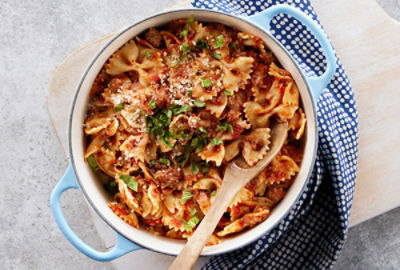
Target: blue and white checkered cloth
<point>312,235</point>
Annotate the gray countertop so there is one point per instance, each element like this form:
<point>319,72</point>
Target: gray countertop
<point>35,37</point>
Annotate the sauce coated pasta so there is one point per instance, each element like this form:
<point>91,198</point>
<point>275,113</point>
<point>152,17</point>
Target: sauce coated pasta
<point>172,107</point>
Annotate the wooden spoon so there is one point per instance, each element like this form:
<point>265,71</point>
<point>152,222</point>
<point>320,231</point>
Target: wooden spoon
<point>235,178</point>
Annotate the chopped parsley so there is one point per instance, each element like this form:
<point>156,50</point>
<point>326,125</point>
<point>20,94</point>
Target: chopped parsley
<point>194,168</point>
<point>152,104</point>
<point>205,82</point>
<point>216,55</point>
<point>199,142</point>
<point>225,126</point>
<point>216,141</point>
<point>199,103</point>
<point>147,54</point>
<point>191,21</point>
<point>201,44</point>
<point>186,195</point>
<point>129,181</point>
<point>158,124</point>
<point>219,42</point>
<point>189,225</point>
<point>226,92</point>
<point>205,168</point>
<point>185,49</point>
<point>184,32</point>
<point>165,161</point>
<point>119,107</point>
<point>176,109</point>
<point>190,92</point>
<point>233,45</point>
<point>152,163</point>
<point>91,160</point>
<point>203,130</point>
<point>182,159</point>
<point>194,212</point>
<point>213,193</point>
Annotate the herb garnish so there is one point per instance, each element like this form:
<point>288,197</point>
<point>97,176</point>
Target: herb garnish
<point>216,141</point>
<point>205,82</point>
<point>119,107</point>
<point>165,161</point>
<point>189,225</point>
<point>152,104</point>
<point>216,55</point>
<point>199,103</point>
<point>225,126</point>
<point>91,160</point>
<point>186,195</point>
<point>129,181</point>
<point>226,92</point>
<point>219,42</point>
<point>147,54</point>
<point>194,168</point>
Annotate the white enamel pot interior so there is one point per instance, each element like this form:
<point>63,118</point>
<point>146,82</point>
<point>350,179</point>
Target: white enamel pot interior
<point>93,189</point>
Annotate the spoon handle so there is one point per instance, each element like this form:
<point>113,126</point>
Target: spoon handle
<point>191,251</point>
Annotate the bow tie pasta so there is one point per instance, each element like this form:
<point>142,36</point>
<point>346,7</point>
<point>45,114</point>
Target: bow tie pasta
<point>172,107</point>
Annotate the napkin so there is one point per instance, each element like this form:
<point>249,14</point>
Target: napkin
<point>312,234</point>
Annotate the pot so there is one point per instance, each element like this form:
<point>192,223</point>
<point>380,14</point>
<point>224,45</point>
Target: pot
<point>80,176</point>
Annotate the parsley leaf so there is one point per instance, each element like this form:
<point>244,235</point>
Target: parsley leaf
<point>165,161</point>
<point>129,181</point>
<point>216,55</point>
<point>219,42</point>
<point>194,168</point>
<point>158,123</point>
<point>119,107</point>
<point>203,130</point>
<point>213,193</point>
<point>186,195</point>
<point>205,82</point>
<point>199,103</point>
<point>190,92</point>
<point>216,141</point>
<point>91,160</point>
<point>194,212</point>
<point>152,104</point>
<point>205,168</point>
<point>226,92</point>
<point>225,126</point>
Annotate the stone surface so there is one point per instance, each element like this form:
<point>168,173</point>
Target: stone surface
<point>35,37</point>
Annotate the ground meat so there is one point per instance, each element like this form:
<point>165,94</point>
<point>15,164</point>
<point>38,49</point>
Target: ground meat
<point>154,37</point>
<point>169,178</point>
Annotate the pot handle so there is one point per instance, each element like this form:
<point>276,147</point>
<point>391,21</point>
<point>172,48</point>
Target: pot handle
<point>123,245</point>
<point>317,84</point>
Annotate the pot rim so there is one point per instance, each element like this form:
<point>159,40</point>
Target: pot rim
<point>215,14</point>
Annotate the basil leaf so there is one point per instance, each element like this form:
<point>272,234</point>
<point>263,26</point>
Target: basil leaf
<point>165,161</point>
<point>186,195</point>
<point>205,82</point>
<point>194,168</point>
<point>219,42</point>
<point>129,181</point>
<point>119,107</point>
<point>152,104</point>
<point>91,160</point>
<point>216,141</point>
<point>199,103</point>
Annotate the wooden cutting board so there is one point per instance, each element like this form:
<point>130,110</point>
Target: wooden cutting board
<point>367,42</point>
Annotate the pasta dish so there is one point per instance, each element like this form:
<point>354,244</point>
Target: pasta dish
<point>172,107</point>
